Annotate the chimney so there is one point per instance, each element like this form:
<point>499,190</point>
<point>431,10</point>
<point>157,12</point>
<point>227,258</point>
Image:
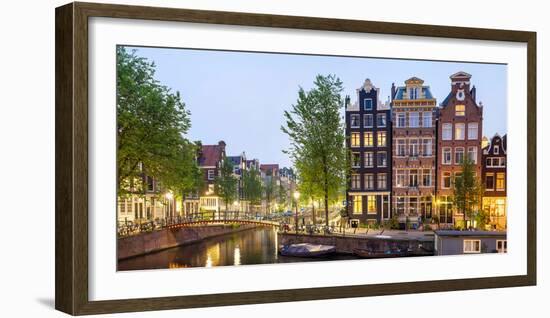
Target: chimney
<point>392,91</point>
<point>347,101</point>
<point>473,93</point>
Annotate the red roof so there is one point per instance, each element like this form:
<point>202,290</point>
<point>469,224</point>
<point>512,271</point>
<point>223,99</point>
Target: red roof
<point>210,155</point>
<point>269,166</point>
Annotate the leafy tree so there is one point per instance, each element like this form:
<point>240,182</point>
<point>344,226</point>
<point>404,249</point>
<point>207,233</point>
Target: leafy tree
<point>467,191</point>
<point>270,191</point>
<point>316,131</point>
<point>225,183</point>
<point>252,186</point>
<point>151,125</point>
<point>282,198</point>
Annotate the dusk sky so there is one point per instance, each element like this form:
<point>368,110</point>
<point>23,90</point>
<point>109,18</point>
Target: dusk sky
<point>240,97</point>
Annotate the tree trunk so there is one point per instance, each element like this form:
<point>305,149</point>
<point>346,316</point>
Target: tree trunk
<point>313,217</point>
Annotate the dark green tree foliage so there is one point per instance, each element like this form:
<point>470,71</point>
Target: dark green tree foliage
<point>316,132</point>
<point>151,125</point>
<point>226,183</point>
<point>270,192</point>
<point>467,191</point>
<point>252,186</point>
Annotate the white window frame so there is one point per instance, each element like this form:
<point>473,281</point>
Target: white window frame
<point>427,123</point>
<point>385,120</point>
<point>443,180</point>
<point>443,151</point>
<point>471,250</point>
<point>504,247</point>
<point>404,117</point>
<point>423,153</point>
<point>358,120</point>
<point>365,134</point>
<point>456,152</point>
<point>365,104</point>
<point>369,177</point>
<point>371,155</point>
<point>471,129</point>
<point>462,127</point>
<point>474,152</point>
<point>210,174</point>
<point>365,116</point>
<point>378,139</point>
<point>417,117</point>
<point>447,128</point>
<point>351,139</point>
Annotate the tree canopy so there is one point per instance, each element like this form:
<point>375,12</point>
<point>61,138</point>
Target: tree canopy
<point>467,191</point>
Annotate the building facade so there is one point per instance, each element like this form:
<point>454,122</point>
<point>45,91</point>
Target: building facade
<point>369,140</point>
<point>210,161</point>
<point>459,138</point>
<point>494,180</point>
<point>414,115</point>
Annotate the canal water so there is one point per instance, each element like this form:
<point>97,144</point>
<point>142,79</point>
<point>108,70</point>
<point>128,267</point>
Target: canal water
<point>255,246</point>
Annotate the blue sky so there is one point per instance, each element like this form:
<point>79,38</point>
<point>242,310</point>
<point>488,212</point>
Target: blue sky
<point>240,97</point>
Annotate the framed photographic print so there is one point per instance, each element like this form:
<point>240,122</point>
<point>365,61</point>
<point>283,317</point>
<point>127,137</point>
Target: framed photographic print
<point>211,158</point>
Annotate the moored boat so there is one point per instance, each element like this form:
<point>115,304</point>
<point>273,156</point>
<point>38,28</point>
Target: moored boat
<point>365,253</point>
<point>307,250</point>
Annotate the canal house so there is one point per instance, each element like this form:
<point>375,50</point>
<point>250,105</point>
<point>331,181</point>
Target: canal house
<point>494,179</point>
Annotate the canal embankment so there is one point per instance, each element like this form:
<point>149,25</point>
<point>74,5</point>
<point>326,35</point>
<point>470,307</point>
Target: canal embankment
<point>150,242</point>
<point>346,244</point>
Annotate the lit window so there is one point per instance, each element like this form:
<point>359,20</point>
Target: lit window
<point>472,131</point>
<point>459,155</point>
<point>459,131</point>
<point>369,181</point>
<point>368,139</point>
<point>371,204</point>
<point>355,139</point>
<point>413,119</point>
<point>381,140</point>
<point>447,156</point>
<point>427,119</point>
<point>357,204</point>
<point>500,181</point>
<point>381,120</point>
<point>368,104</point>
<point>447,131</point>
<point>354,121</point>
<point>400,205</point>
<point>369,159</point>
<point>367,120</point>
<point>472,246</point>
<point>460,110</point>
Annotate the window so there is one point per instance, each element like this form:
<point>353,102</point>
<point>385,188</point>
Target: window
<point>371,204</point>
<point>400,178</point>
<point>381,139</point>
<point>413,119</point>
<point>490,181</point>
<point>211,174</point>
<point>369,181</point>
<point>368,139</point>
<point>446,182</point>
<point>447,131</point>
<point>149,183</point>
<point>447,156</point>
<point>382,159</point>
<point>355,181</point>
<point>472,154</point>
<point>426,177</point>
<point>426,206</point>
<point>355,139</point>
<point>382,181</point>
<point>459,155</point>
<point>413,178</point>
<point>368,104</point>
<point>401,149</point>
<point>413,93</point>
<point>400,205</point>
<point>496,151</point>
<point>459,131</point>
<point>413,147</point>
<point>472,246</point>
<point>356,160</point>
<point>357,204</point>
<point>427,147</point>
<point>381,120</point>
<point>367,120</point>
<point>369,159</point>
<point>488,162</point>
<point>502,246</point>
<point>354,121</point>
<point>401,120</point>
<point>413,206</point>
<point>472,131</point>
<point>500,181</point>
<point>460,110</point>
<point>427,119</point>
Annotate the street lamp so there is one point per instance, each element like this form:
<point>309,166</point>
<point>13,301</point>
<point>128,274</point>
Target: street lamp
<point>296,196</point>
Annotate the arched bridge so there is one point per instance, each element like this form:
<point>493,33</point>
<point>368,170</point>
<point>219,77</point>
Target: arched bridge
<point>222,222</point>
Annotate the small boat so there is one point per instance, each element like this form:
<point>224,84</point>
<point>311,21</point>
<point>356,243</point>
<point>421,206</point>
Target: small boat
<point>307,250</point>
<point>364,253</point>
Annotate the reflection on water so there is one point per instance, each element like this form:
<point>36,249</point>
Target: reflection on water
<point>257,246</point>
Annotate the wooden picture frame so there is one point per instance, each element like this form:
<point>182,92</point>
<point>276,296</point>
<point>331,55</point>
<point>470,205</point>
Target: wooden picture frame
<point>71,155</point>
